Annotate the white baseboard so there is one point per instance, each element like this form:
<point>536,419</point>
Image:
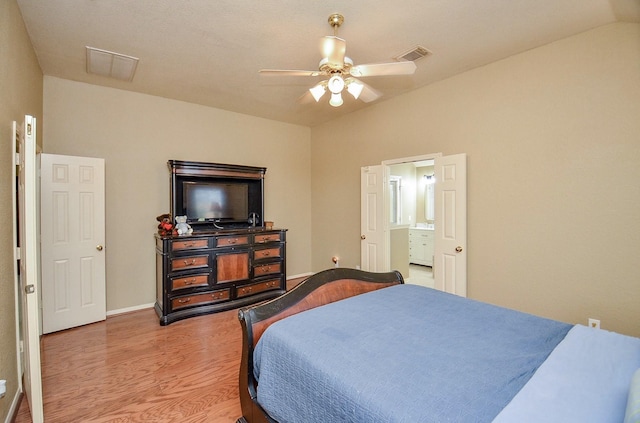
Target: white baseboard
<point>301,275</point>
<point>13,410</point>
<point>129,309</point>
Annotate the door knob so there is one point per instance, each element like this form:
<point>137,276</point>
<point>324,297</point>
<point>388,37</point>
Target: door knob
<point>363,237</point>
<point>99,248</point>
<point>458,249</point>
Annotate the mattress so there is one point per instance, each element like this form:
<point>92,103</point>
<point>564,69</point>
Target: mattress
<point>400,354</point>
<point>585,379</point>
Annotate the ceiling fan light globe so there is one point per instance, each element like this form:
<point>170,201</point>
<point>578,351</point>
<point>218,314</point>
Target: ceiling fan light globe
<point>336,100</point>
<point>317,92</point>
<point>355,89</point>
<point>336,84</point>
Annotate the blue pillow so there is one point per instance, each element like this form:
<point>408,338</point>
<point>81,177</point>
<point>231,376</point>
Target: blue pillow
<point>633,403</point>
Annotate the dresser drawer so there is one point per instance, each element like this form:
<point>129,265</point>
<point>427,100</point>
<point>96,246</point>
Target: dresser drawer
<point>243,291</point>
<point>265,253</point>
<point>264,238</point>
<point>200,299</point>
<point>192,281</point>
<point>266,269</point>
<point>189,262</point>
<point>189,244</point>
<point>231,241</point>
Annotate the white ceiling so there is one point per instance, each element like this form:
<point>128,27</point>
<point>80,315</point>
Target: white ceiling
<point>209,52</point>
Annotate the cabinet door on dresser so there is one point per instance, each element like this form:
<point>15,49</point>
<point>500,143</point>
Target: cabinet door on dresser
<point>232,258</point>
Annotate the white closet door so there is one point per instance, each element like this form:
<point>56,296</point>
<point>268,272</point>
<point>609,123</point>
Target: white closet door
<point>73,239</point>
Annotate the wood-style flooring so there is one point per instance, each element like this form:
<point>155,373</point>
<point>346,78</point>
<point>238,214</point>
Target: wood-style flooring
<point>130,369</point>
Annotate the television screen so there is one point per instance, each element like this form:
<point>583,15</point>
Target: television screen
<point>215,201</point>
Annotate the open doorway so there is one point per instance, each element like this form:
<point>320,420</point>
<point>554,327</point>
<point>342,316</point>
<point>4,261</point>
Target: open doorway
<point>412,218</point>
<point>449,263</point>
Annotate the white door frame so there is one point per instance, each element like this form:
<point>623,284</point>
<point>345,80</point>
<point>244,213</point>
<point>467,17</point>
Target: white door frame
<point>27,284</point>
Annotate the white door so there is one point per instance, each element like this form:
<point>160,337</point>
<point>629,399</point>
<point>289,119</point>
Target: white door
<point>450,259</point>
<point>28,288</point>
<point>374,233</point>
<point>73,236</point>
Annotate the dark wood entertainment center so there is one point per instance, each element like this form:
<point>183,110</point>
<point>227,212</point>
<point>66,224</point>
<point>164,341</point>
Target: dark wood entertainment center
<point>222,265</point>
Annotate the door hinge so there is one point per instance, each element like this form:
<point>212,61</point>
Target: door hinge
<point>30,289</point>
<point>16,253</point>
<point>28,129</point>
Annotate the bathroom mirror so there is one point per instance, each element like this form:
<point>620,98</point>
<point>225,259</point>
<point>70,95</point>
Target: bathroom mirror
<point>429,197</point>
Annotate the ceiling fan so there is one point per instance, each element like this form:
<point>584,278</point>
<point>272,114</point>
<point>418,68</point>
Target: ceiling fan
<point>341,72</point>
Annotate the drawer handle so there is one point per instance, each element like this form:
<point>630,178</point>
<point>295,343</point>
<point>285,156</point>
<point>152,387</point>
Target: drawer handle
<point>189,244</point>
<point>233,241</point>
<point>184,300</point>
<point>216,295</point>
<point>189,262</point>
<point>191,282</point>
<point>266,253</point>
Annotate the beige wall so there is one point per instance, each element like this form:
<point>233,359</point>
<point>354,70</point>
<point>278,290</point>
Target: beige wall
<point>20,94</point>
<point>553,143</point>
<point>136,134</point>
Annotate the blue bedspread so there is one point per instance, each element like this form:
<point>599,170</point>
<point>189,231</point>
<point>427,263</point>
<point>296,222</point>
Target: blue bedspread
<point>400,354</point>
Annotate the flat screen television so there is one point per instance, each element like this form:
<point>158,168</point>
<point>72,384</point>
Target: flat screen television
<point>207,202</point>
<point>219,203</point>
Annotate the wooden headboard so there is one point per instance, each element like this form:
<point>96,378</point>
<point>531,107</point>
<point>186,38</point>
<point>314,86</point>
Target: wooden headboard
<point>322,288</point>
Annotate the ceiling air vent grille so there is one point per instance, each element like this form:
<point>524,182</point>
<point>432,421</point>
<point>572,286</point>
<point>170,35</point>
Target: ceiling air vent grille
<point>110,64</point>
<point>414,54</point>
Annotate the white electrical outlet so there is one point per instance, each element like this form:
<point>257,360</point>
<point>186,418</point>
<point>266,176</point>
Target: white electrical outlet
<point>594,323</point>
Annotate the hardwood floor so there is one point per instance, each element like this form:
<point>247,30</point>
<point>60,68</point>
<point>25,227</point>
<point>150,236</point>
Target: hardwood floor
<point>130,369</point>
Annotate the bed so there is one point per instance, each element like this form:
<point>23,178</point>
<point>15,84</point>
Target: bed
<point>352,346</point>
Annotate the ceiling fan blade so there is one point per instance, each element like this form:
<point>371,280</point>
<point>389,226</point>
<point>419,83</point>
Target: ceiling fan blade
<point>384,69</point>
<point>288,72</point>
<point>333,49</point>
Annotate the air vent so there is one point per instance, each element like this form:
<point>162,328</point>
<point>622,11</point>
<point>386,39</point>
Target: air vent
<point>110,64</point>
<point>414,54</point>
